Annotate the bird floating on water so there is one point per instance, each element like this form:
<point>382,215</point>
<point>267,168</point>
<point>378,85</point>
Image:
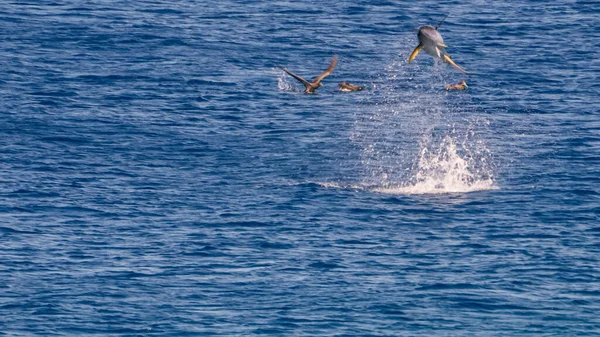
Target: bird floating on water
<point>462,85</point>
<point>431,41</point>
<point>347,87</point>
<point>316,83</point>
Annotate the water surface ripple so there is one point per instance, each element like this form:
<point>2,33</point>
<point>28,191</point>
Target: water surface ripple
<point>161,176</point>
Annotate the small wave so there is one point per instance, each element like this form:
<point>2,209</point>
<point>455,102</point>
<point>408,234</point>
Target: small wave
<point>434,187</point>
<point>427,187</point>
<point>339,185</point>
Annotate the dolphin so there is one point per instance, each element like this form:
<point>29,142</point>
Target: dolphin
<point>316,83</point>
<point>431,41</point>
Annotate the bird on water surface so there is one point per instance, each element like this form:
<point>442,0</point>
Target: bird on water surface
<point>462,85</point>
<point>431,41</point>
<point>316,83</point>
<point>347,87</point>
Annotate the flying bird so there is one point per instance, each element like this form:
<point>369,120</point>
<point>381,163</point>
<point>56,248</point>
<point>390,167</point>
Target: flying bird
<point>316,83</point>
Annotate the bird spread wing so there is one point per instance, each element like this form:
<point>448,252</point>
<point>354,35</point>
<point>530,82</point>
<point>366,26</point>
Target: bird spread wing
<point>329,70</point>
<point>300,79</point>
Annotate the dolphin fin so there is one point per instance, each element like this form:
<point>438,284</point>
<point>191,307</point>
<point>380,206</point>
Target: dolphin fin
<point>437,50</point>
<point>447,59</point>
<point>442,45</point>
<point>415,53</point>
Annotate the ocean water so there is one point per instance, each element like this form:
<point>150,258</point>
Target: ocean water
<point>161,176</point>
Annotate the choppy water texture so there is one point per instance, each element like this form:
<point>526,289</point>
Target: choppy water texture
<point>161,176</point>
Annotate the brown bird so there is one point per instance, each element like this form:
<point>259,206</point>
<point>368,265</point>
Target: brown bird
<point>316,83</point>
<point>347,87</point>
<point>458,86</point>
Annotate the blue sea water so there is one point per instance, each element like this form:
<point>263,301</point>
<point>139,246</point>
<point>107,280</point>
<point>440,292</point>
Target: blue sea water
<point>160,175</point>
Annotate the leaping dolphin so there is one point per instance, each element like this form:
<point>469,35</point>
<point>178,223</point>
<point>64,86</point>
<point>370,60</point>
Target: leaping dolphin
<point>431,41</point>
<point>316,83</point>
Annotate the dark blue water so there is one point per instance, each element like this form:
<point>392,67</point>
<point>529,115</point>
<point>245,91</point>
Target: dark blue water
<point>159,175</point>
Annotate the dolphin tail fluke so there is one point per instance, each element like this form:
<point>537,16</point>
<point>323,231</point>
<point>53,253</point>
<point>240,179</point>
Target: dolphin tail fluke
<point>415,53</point>
<point>447,59</point>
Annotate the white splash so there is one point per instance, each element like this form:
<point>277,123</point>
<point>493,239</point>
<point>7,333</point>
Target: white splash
<point>443,170</point>
<point>413,138</point>
<point>282,83</point>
